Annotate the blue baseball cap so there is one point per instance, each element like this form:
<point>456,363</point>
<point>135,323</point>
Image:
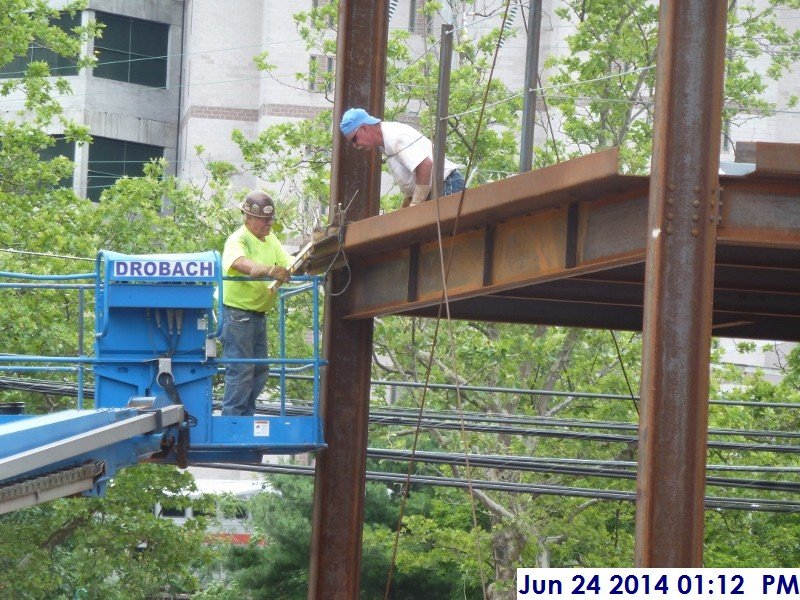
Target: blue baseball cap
<point>353,118</point>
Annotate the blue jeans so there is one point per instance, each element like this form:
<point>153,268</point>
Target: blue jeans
<point>454,183</point>
<point>244,335</point>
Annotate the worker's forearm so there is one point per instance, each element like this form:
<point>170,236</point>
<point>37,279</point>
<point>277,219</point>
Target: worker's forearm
<point>243,264</point>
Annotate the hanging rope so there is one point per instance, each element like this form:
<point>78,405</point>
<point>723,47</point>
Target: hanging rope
<point>444,306</point>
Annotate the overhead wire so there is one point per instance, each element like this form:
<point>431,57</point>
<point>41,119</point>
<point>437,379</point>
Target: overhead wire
<point>407,483</point>
<point>445,268</point>
<point>445,303</point>
<point>45,254</point>
<point>529,464</point>
<point>485,422</point>
<point>624,371</point>
<point>711,502</point>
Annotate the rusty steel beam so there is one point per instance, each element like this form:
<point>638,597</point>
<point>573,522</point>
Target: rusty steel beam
<point>777,158</point>
<point>762,208</point>
<point>552,237</point>
<point>760,212</point>
<point>750,302</point>
<point>683,212</point>
<point>337,520</point>
<point>553,186</point>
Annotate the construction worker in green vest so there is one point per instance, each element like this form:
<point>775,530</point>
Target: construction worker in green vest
<point>254,251</point>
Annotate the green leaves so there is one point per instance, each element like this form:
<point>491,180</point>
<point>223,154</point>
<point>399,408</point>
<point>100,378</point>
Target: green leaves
<point>435,559</point>
<point>111,547</point>
<point>605,86</point>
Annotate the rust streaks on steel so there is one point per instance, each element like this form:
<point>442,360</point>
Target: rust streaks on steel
<point>777,158</point>
<point>528,192</point>
<point>337,519</point>
<point>679,280</point>
<point>759,211</point>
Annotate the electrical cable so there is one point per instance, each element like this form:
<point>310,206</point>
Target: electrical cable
<point>527,392</point>
<point>528,464</point>
<point>341,221</point>
<point>439,419</point>
<point>445,304</point>
<point>711,502</point>
<point>624,372</point>
<point>45,254</point>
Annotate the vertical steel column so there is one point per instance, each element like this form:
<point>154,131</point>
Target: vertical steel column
<point>679,279</point>
<point>442,109</point>
<point>531,69</point>
<point>334,572</point>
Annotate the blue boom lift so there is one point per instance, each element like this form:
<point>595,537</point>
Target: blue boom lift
<point>154,360</point>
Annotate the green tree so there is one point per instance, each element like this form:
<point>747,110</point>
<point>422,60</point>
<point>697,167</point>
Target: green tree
<point>430,563</point>
<point>603,96</point>
<point>605,87</point>
<point>112,547</point>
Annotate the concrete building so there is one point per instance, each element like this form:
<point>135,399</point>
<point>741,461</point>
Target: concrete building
<point>174,75</point>
<point>129,101</point>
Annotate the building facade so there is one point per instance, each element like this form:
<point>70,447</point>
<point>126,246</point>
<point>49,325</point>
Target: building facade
<point>177,75</point>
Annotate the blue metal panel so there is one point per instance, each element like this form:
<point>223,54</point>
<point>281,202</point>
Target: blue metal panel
<point>35,432</point>
<point>191,268</point>
<point>155,325</point>
<point>261,431</point>
<point>168,296</point>
<point>140,302</point>
<point>4,419</point>
<point>38,431</point>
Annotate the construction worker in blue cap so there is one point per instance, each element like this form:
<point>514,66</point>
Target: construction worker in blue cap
<point>409,154</point>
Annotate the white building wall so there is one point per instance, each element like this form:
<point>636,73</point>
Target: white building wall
<point>128,111</point>
<point>214,86</point>
<point>118,110</point>
<point>220,83</point>
<point>769,359</point>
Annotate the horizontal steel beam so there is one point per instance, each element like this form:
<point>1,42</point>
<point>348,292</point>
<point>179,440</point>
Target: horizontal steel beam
<point>574,236</point>
<point>554,186</point>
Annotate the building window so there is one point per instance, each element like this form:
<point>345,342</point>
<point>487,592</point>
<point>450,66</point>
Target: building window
<point>111,159</point>
<point>419,22</point>
<point>174,513</point>
<point>61,148</point>
<point>59,65</point>
<point>131,50</point>
<point>320,73</point>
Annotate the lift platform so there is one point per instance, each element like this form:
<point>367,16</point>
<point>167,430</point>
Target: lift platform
<point>157,320</point>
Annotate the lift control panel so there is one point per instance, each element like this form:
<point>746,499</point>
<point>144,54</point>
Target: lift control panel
<point>156,374</point>
<point>157,320</point>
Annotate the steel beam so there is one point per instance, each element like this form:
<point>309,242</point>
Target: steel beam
<point>531,72</point>
<point>679,281</point>
<point>554,186</point>
<point>337,520</point>
<point>569,237</point>
<point>442,109</point>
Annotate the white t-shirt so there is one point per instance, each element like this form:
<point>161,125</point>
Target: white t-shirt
<point>405,148</point>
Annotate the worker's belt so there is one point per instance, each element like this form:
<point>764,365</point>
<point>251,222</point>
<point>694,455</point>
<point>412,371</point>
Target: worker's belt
<point>244,310</point>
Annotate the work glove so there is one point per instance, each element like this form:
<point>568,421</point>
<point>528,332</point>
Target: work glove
<point>259,271</point>
<point>281,274</point>
<point>420,194</point>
